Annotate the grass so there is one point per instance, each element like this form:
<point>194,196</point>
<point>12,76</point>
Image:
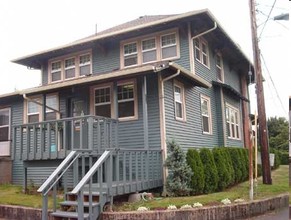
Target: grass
<point>279,186</point>
<point>13,195</point>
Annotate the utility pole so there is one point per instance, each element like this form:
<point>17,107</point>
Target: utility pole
<point>266,169</point>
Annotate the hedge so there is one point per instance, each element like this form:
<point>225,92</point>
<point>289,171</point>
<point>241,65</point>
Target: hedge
<point>221,165</point>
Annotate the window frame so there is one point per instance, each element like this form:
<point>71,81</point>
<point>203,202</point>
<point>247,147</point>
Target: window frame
<point>157,36</point>
<point>8,125</point>
<point>183,101</point>
<point>201,42</point>
<point>167,46</point>
<point>209,116</point>
<point>149,50</point>
<point>131,54</point>
<point>135,99</point>
<point>230,108</point>
<point>62,60</point>
<point>220,67</point>
<point>93,104</point>
<point>69,68</point>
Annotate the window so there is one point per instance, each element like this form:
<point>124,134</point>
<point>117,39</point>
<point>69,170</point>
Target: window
<point>232,121</point>
<point>130,54</point>
<point>149,50</point>
<point>69,67</point>
<point>34,108</point>
<point>219,68</point>
<point>179,101</point>
<point>206,115</point>
<point>56,71</point>
<point>4,124</point>
<point>102,101</point>
<point>201,51</point>
<point>127,103</point>
<point>156,47</point>
<point>85,64</point>
<point>169,46</point>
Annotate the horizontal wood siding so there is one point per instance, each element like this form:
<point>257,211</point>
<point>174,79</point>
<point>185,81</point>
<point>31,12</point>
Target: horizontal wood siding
<point>44,74</point>
<point>184,60</point>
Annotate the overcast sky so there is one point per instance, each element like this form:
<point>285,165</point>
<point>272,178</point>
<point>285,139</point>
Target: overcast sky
<point>34,25</point>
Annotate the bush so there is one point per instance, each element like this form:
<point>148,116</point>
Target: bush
<point>178,180</point>
<point>210,171</point>
<point>229,165</point>
<point>245,163</point>
<point>197,180</point>
<point>223,174</point>
<point>284,157</point>
<point>277,161</point>
<point>236,163</point>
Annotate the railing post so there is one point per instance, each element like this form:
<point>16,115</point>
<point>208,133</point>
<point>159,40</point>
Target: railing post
<point>90,133</point>
<point>44,214</point>
<point>13,153</point>
<point>109,180</point>
<point>80,205</point>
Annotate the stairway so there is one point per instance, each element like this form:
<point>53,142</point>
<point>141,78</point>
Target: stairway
<point>69,207</point>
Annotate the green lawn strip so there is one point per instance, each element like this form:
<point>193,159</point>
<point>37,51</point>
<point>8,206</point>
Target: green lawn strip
<point>12,195</point>
<point>279,186</point>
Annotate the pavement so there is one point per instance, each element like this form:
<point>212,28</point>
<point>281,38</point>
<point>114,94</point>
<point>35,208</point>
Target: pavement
<point>282,214</point>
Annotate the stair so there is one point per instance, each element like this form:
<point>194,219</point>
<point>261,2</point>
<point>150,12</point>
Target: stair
<point>69,207</point>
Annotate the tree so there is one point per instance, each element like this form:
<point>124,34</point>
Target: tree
<point>178,180</point>
<point>278,130</point>
<point>224,177</point>
<point>197,180</point>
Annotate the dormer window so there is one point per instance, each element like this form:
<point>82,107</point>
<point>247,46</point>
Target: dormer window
<point>70,67</point>
<point>151,48</point>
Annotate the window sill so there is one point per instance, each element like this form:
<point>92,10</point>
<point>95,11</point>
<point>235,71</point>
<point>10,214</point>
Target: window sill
<point>134,118</point>
<point>180,119</point>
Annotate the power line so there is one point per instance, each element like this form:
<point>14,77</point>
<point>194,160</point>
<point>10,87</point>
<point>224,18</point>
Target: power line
<point>277,94</point>
<point>267,18</point>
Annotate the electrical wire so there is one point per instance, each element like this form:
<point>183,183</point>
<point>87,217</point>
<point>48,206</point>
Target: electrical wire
<point>277,94</point>
<point>267,18</point>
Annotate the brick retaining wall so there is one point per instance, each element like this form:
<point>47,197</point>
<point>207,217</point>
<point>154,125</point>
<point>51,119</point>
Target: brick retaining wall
<point>222,212</point>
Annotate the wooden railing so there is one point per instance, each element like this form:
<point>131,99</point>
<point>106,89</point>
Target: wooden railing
<point>55,139</point>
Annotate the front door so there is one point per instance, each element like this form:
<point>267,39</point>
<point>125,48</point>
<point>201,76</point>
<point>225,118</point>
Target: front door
<point>5,132</point>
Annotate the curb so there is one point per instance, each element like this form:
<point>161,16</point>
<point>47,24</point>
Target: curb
<point>221,212</point>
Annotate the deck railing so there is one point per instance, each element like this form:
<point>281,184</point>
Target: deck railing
<point>56,138</point>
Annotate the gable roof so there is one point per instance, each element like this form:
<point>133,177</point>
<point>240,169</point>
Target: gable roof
<point>137,24</point>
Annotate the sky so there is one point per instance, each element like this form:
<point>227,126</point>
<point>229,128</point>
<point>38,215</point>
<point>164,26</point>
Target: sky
<point>31,26</point>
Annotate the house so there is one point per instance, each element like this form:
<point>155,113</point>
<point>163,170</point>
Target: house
<point>123,93</point>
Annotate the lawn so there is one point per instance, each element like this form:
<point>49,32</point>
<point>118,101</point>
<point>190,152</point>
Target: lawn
<point>12,195</point>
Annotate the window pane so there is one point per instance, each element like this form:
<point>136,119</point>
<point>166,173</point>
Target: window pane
<point>228,129</point>
<point>169,39</point>
<point>4,133</point>
<point>232,131</point>
<point>148,44</point>
<point>178,94</point>
<point>103,110</point>
<point>179,110</point>
<point>130,48</point>
<point>205,121</point>
<point>4,117</point>
<point>51,101</point>
<point>168,52</point>
<point>69,63</point>
<point>149,56</point>
<point>126,109</point>
<point>32,108</point>
<point>85,59</point>
<point>70,73</point>
<point>205,61</point>
<point>33,118</point>
<point>56,66</point>
<point>102,95</point>
<point>130,60</point>
<point>204,107</point>
<point>125,92</point>
<point>56,76</point>
<point>237,131</point>
<point>84,70</point>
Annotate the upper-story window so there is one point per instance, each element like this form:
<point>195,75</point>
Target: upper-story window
<point>157,47</point>
<point>232,121</point>
<point>201,51</point>
<point>179,100</point>
<point>69,67</point>
<point>149,50</point>
<point>130,54</point>
<point>219,68</point>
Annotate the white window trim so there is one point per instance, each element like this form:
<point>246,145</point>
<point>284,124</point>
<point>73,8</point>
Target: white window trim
<point>220,67</point>
<point>39,99</point>
<point>231,107</point>
<point>70,67</point>
<point>9,122</point>
<point>77,66</point>
<point>181,86</point>
<point>148,50</point>
<point>170,45</point>
<point>92,95</point>
<point>209,112</point>
<point>126,55</point>
<point>157,37</point>
<point>135,99</point>
<point>200,60</point>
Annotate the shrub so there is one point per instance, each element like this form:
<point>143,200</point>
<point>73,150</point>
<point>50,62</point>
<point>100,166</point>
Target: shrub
<point>180,173</point>
<point>277,161</point>
<point>229,165</point>
<point>197,180</point>
<point>244,163</point>
<point>210,171</point>
<point>284,157</point>
<point>222,171</point>
<point>236,163</point>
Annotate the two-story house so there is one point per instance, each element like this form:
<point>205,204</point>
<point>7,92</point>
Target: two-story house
<point>132,88</point>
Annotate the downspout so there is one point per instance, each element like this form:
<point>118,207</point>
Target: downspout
<point>163,123</point>
<point>191,43</point>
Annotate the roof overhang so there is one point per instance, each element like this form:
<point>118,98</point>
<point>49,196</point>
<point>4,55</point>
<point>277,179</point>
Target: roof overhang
<point>230,89</point>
